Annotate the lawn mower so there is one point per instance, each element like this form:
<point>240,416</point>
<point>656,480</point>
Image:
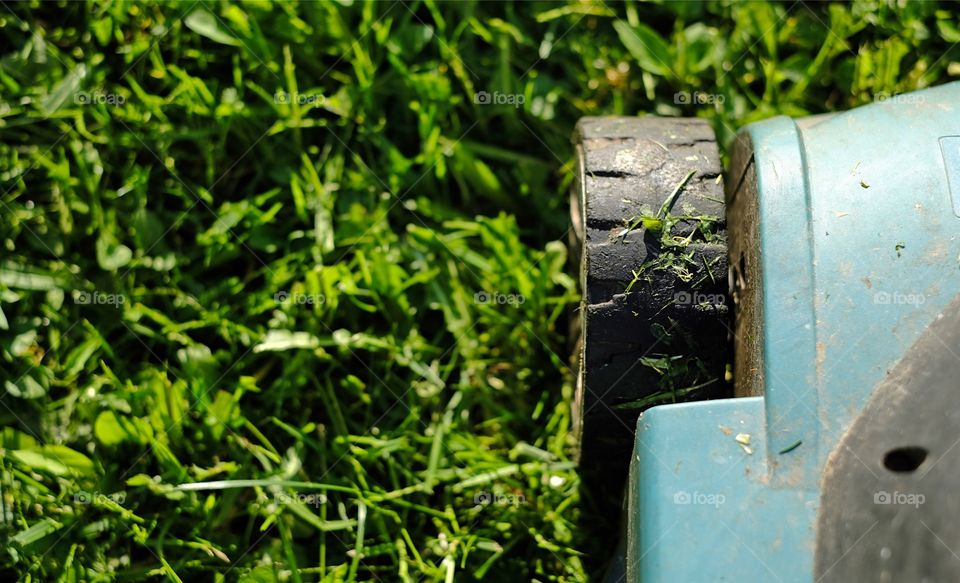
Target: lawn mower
<point>769,357</point>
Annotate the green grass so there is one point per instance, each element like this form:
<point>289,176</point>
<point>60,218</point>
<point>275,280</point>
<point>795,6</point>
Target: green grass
<point>281,301</point>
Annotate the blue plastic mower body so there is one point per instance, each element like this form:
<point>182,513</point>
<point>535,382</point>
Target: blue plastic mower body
<point>844,254</point>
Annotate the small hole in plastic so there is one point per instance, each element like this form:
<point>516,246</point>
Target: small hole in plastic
<point>904,459</point>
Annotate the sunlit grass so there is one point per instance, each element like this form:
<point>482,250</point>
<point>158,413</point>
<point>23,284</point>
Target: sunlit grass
<point>284,288</point>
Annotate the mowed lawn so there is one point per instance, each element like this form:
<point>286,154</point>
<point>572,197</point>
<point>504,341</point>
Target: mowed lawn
<point>285,291</point>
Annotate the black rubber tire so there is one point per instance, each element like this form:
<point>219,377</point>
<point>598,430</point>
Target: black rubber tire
<point>677,309</point>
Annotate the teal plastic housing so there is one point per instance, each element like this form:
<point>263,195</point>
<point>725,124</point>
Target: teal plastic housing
<point>859,223</point>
